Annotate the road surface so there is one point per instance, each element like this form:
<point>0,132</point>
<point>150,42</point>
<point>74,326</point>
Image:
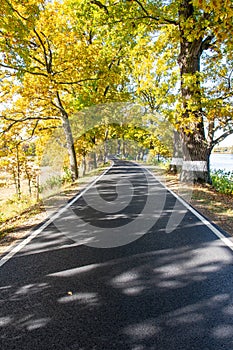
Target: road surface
<point>93,280</point>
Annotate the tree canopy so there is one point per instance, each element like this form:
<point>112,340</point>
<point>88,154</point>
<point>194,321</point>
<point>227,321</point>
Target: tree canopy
<point>174,57</point>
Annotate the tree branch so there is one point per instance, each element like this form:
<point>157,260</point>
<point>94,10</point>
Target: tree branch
<point>37,60</point>
<point>161,20</point>
<point>16,11</point>
<point>222,137</point>
<point>142,7</point>
<point>22,120</point>
<point>50,127</point>
<point>100,5</point>
<point>44,50</point>
<point>34,128</point>
<point>15,68</point>
<point>229,79</point>
<point>50,61</point>
<point>206,43</point>
<point>158,19</point>
<point>60,106</point>
<point>76,82</point>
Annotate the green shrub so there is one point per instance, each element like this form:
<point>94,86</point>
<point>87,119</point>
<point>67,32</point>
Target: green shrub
<point>51,183</point>
<point>67,176</point>
<point>222,181</point>
<point>2,217</point>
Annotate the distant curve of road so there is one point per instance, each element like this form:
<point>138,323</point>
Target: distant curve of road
<point>105,273</point>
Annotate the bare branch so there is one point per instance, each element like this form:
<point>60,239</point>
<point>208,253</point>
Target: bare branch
<point>100,5</point>
<point>8,67</point>
<point>43,48</point>
<point>76,82</point>
<point>50,61</point>
<point>37,60</point>
<point>22,120</point>
<point>142,7</point>
<point>15,68</point>
<point>106,90</point>
<point>34,128</point>
<point>60,106</point>
<point>28,118</point>
<point>160,20</point>
<point>222,137</point>
<point>50,127</point>
<point>59,72</point>
<point>229,79</point>
<point>16,11</point>
<point>206,43</point>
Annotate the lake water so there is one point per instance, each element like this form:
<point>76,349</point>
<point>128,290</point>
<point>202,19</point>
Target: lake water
<point>221,161</point>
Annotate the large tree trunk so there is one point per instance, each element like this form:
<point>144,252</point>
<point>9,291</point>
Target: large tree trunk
<point>18,173</point>
<point>106,146</point>
<point>84,161</point>
<point>94,160</point>
<point>119,146</point>
<point>177,157</point>
<point>69,139</point>
<point>70,147</point>
<point>195,166</point>
<point>195,148</point>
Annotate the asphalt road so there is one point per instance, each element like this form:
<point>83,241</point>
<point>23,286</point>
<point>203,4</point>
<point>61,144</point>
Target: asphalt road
<point>116,277</point>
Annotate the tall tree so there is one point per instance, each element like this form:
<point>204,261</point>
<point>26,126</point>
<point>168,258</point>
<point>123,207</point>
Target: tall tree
<point>196,33</point>
<point>61,60</point>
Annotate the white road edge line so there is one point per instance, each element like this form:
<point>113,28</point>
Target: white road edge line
<point>17,247</point>
<point>207,223</point>
<point>23,243</point>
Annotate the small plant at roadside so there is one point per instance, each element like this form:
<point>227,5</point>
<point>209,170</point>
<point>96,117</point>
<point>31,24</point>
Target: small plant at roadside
<point>2,217</point>
<point>222,181</point>
<point>52,183</point>
<point>67,175</point>
<point>14,206</point>
<point>56,181</point>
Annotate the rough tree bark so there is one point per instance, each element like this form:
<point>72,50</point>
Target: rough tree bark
<point>177,157</point>
<point>69,140</point>
<point>195,147</point>
<point>94,160</point>
<point>70,147</point>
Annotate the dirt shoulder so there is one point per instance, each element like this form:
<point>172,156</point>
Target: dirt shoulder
<point>20,226</point>
<point>217,207</point>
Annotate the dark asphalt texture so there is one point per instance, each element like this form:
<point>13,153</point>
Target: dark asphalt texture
<point>163,291</point>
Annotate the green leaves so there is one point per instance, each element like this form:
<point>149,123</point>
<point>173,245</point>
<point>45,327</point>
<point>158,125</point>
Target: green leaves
<point>174,57</point>
<point>222,181</point>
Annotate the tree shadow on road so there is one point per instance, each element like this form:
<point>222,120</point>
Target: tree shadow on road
<point>171,294</point>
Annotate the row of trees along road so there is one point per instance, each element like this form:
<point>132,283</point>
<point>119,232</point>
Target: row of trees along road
<point>59,57</point>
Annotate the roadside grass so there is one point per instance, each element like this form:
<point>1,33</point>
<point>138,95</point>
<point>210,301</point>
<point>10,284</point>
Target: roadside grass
<point>19,221</point>
<point>222,181</point>
<point>216,206</point>
<point>13,207</point>
<point>213,201</point>
<point>18,215</point>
